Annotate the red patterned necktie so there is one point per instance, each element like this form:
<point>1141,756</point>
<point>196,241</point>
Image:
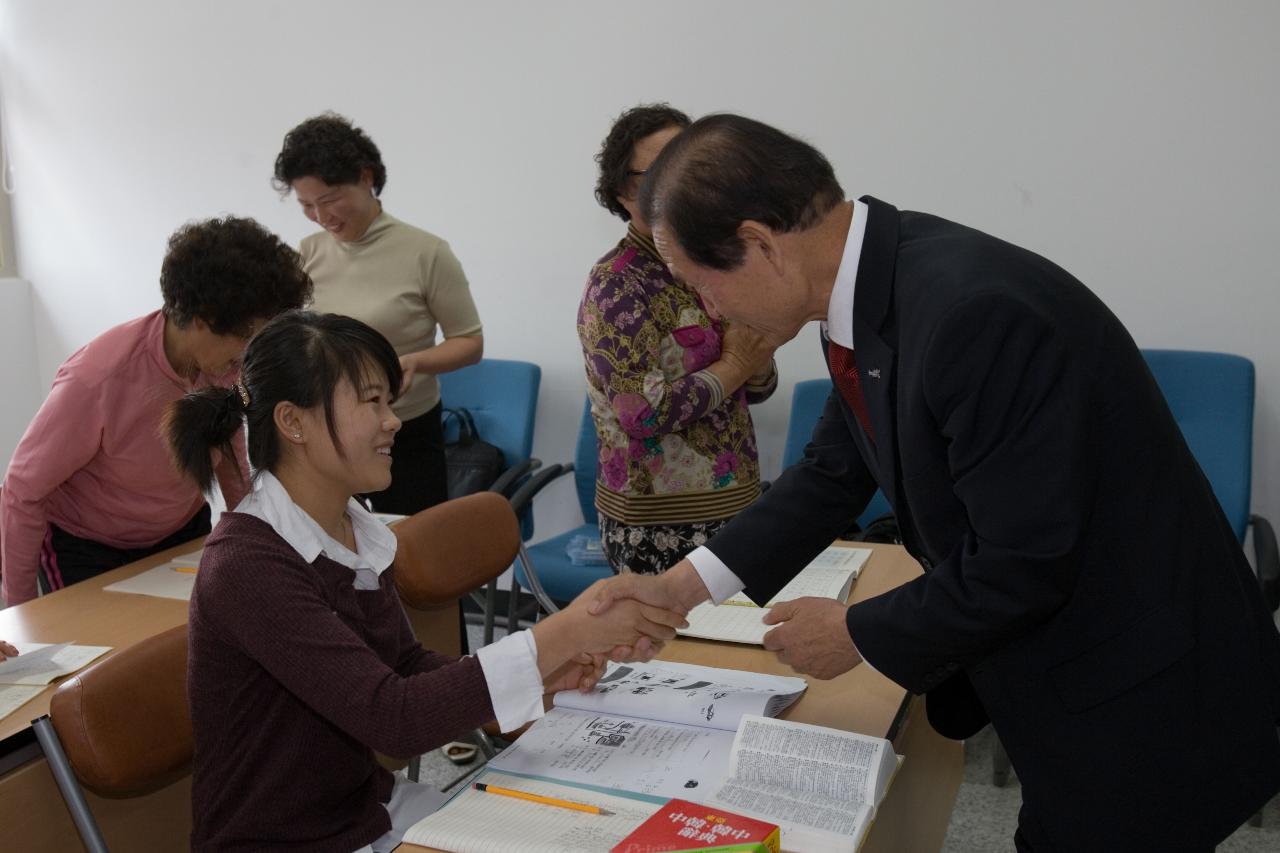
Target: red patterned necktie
<point>844,372</point>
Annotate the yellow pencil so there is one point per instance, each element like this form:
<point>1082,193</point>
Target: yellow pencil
<point>186,570</point>
<point>538,798</point>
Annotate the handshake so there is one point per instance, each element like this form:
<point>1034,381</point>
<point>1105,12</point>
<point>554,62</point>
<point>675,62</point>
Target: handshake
<point>625,618</point>
<point>630,617</point>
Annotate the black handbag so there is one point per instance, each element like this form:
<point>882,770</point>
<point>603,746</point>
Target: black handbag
<point>471,463</point>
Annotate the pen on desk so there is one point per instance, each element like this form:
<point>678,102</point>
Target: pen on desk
<point>186,570</point>
<point>538,798</point>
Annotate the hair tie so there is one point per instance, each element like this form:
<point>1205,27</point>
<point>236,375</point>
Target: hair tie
<point>244,394</point>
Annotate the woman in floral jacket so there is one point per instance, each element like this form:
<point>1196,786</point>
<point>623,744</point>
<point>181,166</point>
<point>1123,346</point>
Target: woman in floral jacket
<point>669,384</point>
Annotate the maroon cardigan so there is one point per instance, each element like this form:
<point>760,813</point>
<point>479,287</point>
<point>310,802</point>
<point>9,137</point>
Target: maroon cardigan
<point>295,678</point>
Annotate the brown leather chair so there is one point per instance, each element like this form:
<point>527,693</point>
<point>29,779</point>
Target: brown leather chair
<point>442,554</point>
<point>121,727</point>
<point>453,548</point>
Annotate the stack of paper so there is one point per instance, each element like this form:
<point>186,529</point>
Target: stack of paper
<point>24,677</point>
<point>738,620</point>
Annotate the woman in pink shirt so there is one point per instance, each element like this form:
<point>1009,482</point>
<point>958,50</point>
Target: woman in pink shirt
<point>91,486</point>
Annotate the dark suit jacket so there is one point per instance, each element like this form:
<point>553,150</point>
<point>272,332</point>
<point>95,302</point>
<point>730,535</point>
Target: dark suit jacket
<point>1083,589</point>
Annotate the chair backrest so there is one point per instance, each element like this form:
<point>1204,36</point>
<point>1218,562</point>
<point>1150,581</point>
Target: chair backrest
<point>807,402</point>
<point>1211,397</point>
<point>586,457</point>
<point>502,396</point>
<point>452,548</point>
<point>124,721</point>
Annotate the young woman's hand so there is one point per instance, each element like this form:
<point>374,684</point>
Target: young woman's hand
<point>581,674</point>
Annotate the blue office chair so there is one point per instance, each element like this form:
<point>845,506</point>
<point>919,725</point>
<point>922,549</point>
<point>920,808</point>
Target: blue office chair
<point>545,568</point>
<point>502,397</point>
<point>807,402</point>
<point>1211,397</point>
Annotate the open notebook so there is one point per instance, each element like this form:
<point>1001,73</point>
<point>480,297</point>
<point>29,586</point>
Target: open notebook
<point>24,677</point>
<point>738,620</point>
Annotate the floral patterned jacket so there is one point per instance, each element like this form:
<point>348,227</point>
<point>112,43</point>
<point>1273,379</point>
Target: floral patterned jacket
<point>673,447</point>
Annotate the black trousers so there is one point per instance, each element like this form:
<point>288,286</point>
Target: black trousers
<point>418,471</point>
<point>66,559</point>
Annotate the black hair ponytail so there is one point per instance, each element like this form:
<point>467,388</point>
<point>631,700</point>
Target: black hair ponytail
<point>201,422</point>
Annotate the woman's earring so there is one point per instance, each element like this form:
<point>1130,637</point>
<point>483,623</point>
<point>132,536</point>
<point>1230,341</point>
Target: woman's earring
<point>297,435</point>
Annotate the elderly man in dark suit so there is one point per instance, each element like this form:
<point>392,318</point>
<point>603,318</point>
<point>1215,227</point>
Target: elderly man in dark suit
<point>1082,591</point>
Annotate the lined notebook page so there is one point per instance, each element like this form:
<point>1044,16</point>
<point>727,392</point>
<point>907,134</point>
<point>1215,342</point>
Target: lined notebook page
<point>476,822</point>
<point>728,622</point>
<point>829,575</point>
<point>14,696</point>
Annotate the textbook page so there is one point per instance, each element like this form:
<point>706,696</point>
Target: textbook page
<point>622,753</point>
<point>820,785</point>
<point>685,693</point>
<point>40,663</point>
<point>476,822</point>
<point>830,575</point>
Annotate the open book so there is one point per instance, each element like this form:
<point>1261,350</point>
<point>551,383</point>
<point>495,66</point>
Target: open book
<point>820,785</point>
<point>648,733</point>
<point>659,729</point>
<point>738,620</point>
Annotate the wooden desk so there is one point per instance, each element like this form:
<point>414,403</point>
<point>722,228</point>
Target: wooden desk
<point>32,813</point>
<point>917,809</point>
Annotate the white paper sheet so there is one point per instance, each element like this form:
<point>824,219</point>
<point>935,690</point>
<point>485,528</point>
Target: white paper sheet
<point>476,822</point>
<point>162,582</point>
<point>40,663</point>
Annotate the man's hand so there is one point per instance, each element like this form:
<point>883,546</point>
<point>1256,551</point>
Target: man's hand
<point>812,637</point>
<point>678,590</point>
<point>7,651</point>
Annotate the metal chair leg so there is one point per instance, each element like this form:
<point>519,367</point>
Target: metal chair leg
<point>69,786</point>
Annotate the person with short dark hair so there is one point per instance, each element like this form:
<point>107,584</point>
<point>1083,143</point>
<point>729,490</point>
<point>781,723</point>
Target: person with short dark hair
<point>302,661</point>
<point>402,280</point>
<point>669,383</point>
<point>90,486</point>
<point>1082,591</point>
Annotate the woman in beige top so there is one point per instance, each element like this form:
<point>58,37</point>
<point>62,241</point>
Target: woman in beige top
<point>399,279</point>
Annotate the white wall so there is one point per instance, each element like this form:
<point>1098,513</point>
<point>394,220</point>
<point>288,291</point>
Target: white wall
<point>19,385</point>
<point>1134,143</point>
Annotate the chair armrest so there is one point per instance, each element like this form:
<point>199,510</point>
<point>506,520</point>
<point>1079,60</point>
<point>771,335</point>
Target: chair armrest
<point>1266,559</point>
<point>507,479</point>
<point>525,494</point>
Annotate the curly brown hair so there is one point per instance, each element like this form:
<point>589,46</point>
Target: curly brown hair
<point>331,148</point>
<point>615,152</point>
<point>230,272</point>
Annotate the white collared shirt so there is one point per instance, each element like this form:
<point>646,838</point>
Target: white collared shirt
<point>510,665</point>
<point>719,579</point>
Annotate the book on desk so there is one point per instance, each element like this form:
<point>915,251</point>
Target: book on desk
<point>705,740</point>
<point>738,620</point>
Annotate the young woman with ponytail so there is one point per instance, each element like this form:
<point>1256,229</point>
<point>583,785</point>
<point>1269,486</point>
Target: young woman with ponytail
<point>302,662</point>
